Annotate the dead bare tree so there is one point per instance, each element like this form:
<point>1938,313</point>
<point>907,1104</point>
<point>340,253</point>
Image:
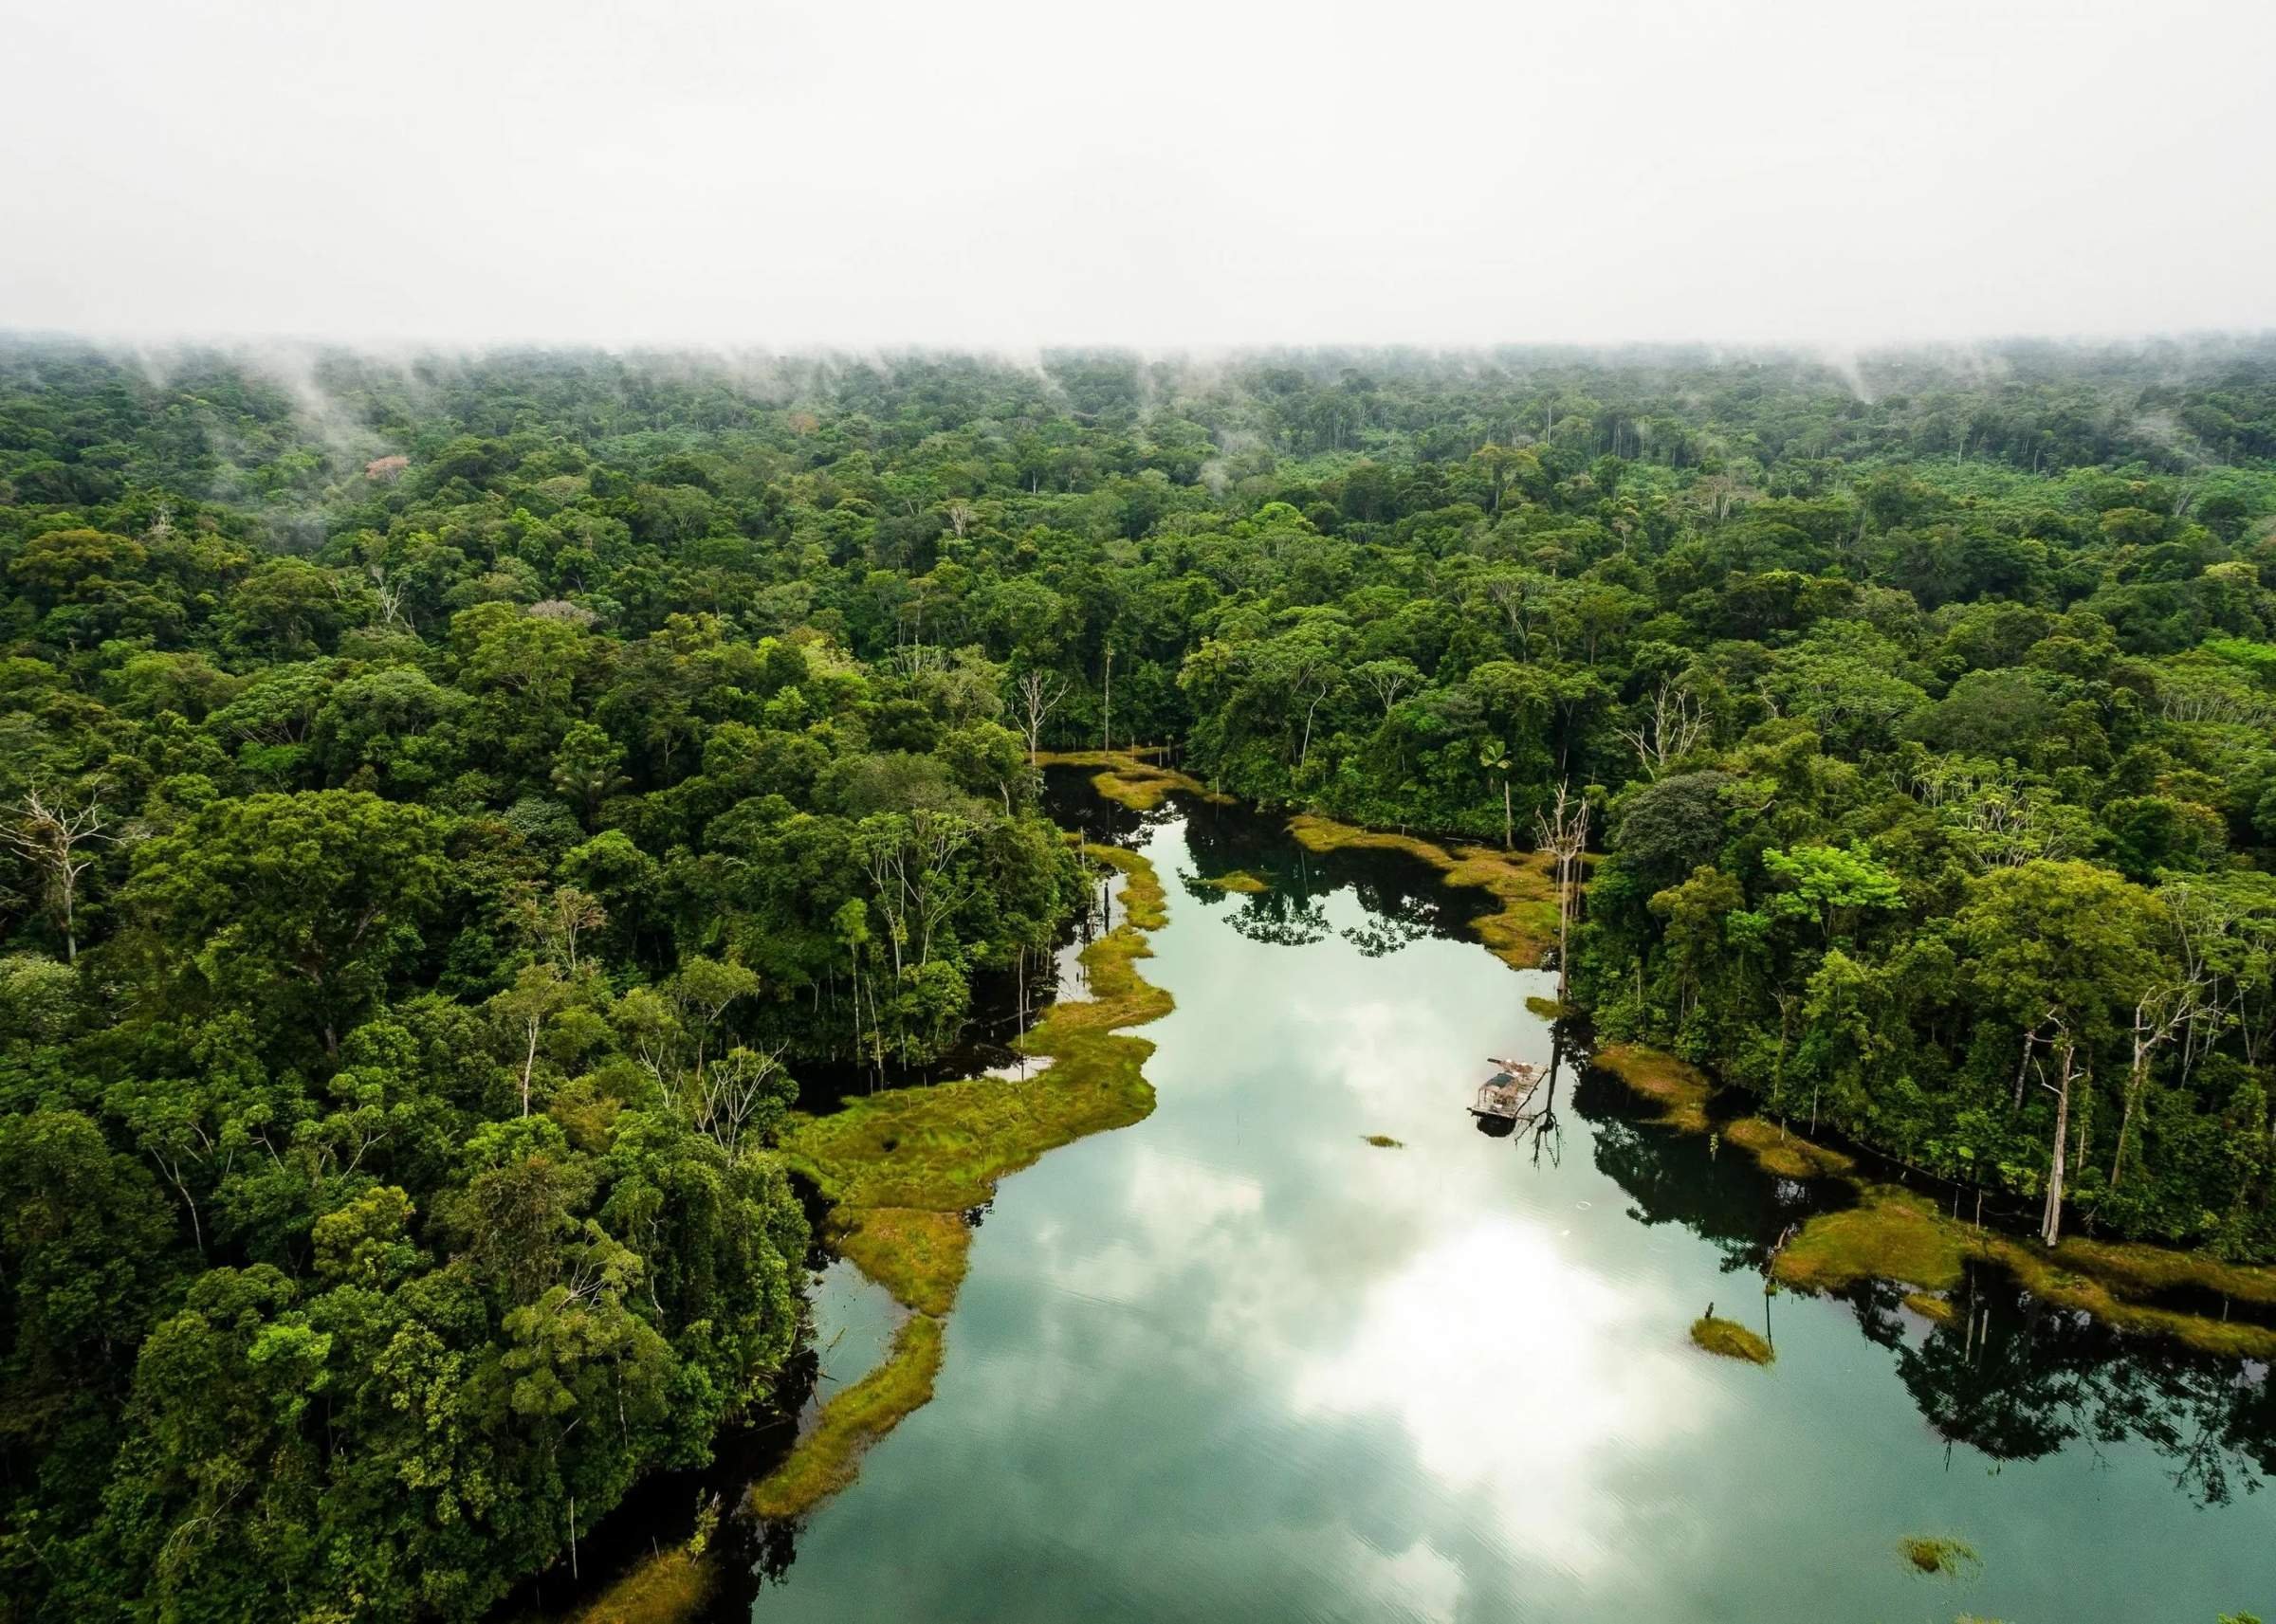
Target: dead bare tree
<point>1037,694</point>
<point>1668,728</point>
<point>2158,1014</point>
<point>730,1092</point>
<point>389,589</point>
<point>56,840</point>
<point>2050,1222</point>
<point>1563,830</point>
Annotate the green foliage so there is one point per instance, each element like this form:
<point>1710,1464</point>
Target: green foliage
<point>458,822</point>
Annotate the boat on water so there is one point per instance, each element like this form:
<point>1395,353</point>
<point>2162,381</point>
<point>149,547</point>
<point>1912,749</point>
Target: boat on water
<point>1506,1093</point>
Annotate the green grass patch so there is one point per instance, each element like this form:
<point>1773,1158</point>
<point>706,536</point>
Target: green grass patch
<point>1787,1155</point>
<point>1518,933</point>
<point>915,1253</point>
<point>1383,1141</point>
<point>826,1459</point>
<point>1929,1307</point>
<point>901,1167</point>
<point>1942,1558</point>
<point>1547,1008</point>
<point>1728,1338</point>
<point>2058,1277</point>
<point>1890,1234</point>
<point>2146,1271</point>
<point>1128,779</point>
<point>1241,880</point>
<point>1679,1088</point>
<point>663,1589</point>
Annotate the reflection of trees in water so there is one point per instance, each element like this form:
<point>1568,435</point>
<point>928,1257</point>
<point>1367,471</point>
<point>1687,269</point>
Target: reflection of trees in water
<point>1282,918</point>
<point>1675,1177</point>
<point>2011,1378</point>
<point>1381,934</point>
<point>1980,1381</point>
<point>2018,1381</point>
<point>1402,901</point>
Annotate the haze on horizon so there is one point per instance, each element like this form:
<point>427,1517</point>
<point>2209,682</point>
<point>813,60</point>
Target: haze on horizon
<point>1193,175</point>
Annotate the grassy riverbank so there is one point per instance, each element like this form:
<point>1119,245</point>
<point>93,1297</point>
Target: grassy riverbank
<point>1520,932</point>
<point>901,1168</point>
<point>1894,1233</point>
<point>1130,779</point>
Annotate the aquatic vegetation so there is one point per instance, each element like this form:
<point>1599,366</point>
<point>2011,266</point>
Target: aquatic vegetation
<point>1519,933</point>
<point>916,1254</point>
<point>1383,1141</point>
<point>1127,779</point>
<point>1930,1306</point>
<point>901,1168</point>
<point>2060,1277</point>
<point>1894,1234</point>
<point>1933,1554</point>
<point>661,1589</point>
<point>1731,1340</point>
<point>1547,1008</point>
<point>1890,1234</point>
<point>826,1459</point>
<point>1240,881</point>
<point>2145,1271</point>
<point>1681,1088</point>
<point>1778,1150</point>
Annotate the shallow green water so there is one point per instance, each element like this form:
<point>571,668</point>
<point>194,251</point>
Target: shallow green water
<point>1234,1362</point>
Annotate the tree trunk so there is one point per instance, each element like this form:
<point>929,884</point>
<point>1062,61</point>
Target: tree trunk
<point>2050,1227</point>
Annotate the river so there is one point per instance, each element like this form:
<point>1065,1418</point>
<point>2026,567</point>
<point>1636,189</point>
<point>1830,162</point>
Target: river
<point>1236,1361</point>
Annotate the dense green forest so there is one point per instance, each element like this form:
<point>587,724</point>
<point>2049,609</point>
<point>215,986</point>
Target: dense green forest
<point>448,802</point>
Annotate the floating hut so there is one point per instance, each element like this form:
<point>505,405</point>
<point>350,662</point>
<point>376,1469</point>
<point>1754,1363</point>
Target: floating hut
<point>1506,1092</point>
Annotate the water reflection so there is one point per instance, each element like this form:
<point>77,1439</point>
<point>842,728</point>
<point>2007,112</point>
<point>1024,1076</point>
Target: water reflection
<point>1238,1363</point>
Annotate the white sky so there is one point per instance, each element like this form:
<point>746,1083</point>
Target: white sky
<point>1178,173</point>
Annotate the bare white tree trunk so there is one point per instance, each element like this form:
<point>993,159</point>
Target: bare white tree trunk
<point>1564,834</point>
<point>51,836</point>
<point>2050,1224</point>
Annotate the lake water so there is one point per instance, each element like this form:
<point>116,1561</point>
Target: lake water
<point>1235,1362</point>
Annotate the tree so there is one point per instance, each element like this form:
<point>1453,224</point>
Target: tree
<point>58,840</point>
<point>297,907</point>
<point>588,768</point>
<point>1829,885</point>
<point>1387,681</point>
<point>2061,947</point>
<point>1668,728</point>
<point>1037,693</point>
<point>1563,828</point>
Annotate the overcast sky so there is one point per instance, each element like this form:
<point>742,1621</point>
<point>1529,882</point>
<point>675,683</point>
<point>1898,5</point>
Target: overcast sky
<point>1181,172</point>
